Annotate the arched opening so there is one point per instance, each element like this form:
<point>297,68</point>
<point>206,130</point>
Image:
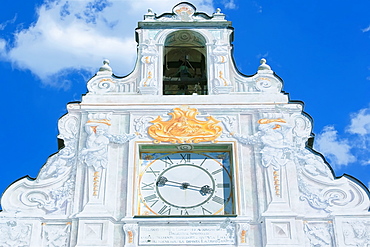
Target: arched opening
<point>184,66</point>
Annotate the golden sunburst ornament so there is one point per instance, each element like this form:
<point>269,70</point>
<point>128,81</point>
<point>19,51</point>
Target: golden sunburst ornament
<point>183,127</point>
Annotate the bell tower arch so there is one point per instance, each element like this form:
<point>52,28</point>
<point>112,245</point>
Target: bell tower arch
<point>184,64</point>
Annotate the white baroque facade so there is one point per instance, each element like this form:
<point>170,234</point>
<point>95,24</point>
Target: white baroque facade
<point>185,151</point>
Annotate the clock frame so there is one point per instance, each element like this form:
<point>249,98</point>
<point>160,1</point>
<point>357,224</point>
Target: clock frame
<point>185,180</point>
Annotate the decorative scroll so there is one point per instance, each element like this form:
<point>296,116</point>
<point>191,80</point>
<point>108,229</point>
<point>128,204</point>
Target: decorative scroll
<point>51,192</point>
<point>263,82</point>
<point>183,127</point>
<point>102,84</point>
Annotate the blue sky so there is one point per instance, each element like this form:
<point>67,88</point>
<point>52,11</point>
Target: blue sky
<point>49,49</point>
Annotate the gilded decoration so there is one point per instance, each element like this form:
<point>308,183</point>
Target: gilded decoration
<point>183,127</point>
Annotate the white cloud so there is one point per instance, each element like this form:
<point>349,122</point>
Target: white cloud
<point>2,46</point>
<point>257,6</point>
<point>4,24</point>
<point>337,150</point>
<point>360,122</point>
<point>230,4</point>
<point>80,34</point>
<point>366,29</point>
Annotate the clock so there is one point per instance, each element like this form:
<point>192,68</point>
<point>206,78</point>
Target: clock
<point>197,181</point>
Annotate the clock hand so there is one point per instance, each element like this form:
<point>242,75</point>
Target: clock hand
<point>163,180</point>
<point>204,190</point>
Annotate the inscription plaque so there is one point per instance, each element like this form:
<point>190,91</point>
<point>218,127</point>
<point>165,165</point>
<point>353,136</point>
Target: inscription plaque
<point>186,235</point>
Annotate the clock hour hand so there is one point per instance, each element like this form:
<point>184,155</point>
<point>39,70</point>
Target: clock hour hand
<point>204,190</point>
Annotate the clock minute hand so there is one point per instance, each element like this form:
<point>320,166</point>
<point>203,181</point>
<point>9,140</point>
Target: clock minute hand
<point>162,180</point>
<point>204,190</point>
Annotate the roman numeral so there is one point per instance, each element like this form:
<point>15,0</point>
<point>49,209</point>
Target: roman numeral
<point>153,203</point>
<point>224,185</point>
<point>148,186</point>
<point>185,158</point>
<point>184,212</point>
<point>152,171</point>
<point>205,211</point>
<point>167,161</point>
<point>151,198</point>
<point>164,211</point>
<point>219,200</point>
<point>203,161</point>
<point>217,171</point>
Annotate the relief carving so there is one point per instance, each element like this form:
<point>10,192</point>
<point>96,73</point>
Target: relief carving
<point>95,152</point>
<point>357,233</point>
<point>221,81</point>
<point>64,161</point>
<point>184,11</point>
<point>52,200</point>
<point>264,81</point>
<point>282,141</point>
<point>103,85</point>
<point>141,125</point>
<point>183,127</point>
<point>104,82</point>
<point>52,190</point>
<point>56,235</point>
<point>319,234</point>
<point>15,233</point>
<point>149,60</point>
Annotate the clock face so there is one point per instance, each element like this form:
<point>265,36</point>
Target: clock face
<point>185,183</point>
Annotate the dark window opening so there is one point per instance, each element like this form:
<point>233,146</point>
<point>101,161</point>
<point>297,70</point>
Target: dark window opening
<point>184,67</point>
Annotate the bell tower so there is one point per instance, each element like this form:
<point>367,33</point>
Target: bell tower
<point>184,52</point>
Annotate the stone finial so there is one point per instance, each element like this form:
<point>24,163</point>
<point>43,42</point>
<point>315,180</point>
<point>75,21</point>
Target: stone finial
<point>105,67</point>
<point>218,16</point>
<point>149,15</point>
<point>263,65</point>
